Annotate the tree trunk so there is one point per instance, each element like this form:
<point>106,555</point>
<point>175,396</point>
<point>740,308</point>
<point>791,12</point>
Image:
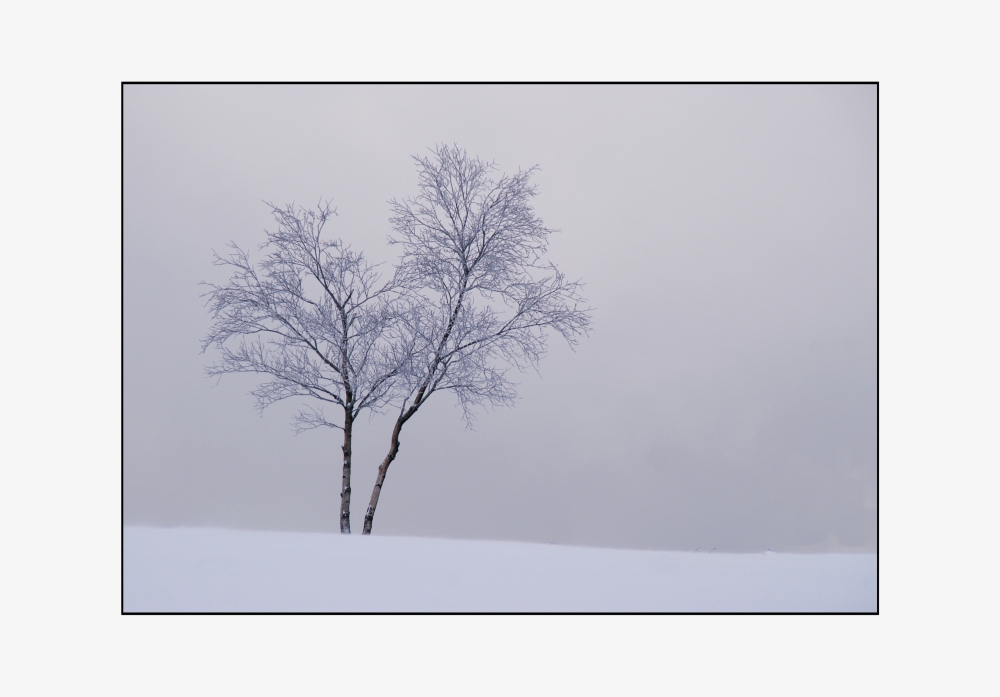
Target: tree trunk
<point>345,485</point>
<point>383,468</point>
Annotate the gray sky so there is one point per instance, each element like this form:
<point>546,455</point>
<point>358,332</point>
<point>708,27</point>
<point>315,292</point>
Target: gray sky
<point>726,397</point>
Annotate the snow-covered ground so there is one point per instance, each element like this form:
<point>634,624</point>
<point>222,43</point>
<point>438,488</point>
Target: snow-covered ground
<point>212,570</point>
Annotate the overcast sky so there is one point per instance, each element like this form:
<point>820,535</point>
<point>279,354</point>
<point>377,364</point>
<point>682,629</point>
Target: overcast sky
<point>726,397</point>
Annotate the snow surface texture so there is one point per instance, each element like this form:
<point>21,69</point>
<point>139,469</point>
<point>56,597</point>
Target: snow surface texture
<point>212,570</point>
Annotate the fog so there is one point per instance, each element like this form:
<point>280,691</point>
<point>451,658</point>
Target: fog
<point>725,398</point>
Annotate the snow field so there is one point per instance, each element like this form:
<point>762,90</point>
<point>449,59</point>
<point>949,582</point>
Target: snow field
<point>215,570</point>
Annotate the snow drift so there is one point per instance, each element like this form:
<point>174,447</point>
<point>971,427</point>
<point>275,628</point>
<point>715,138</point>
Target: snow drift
<point>212,570</point>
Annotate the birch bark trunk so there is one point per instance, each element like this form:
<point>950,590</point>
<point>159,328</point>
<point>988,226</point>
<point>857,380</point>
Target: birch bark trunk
<point>383,468</point>
<point>345,484</point>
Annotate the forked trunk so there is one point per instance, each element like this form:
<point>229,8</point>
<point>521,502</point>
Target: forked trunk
<point>383,468</point>
<point>345,485</point>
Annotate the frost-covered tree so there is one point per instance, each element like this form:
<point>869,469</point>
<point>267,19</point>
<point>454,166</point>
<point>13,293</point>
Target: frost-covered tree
<point>480,296</point>
<point>314,317</point>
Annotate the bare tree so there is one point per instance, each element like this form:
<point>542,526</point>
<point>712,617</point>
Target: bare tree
<point>480,296</point>
<point>314,317</point>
